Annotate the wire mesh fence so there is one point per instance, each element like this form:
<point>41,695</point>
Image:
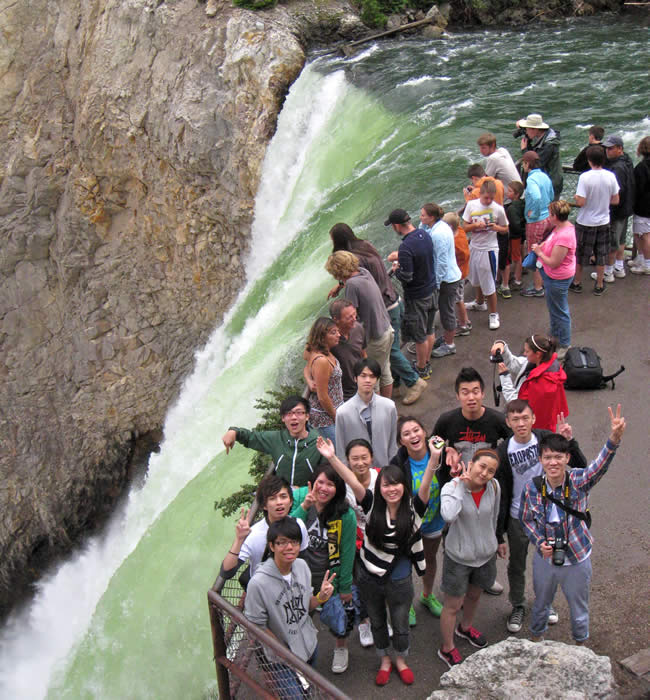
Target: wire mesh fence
<point>250,662</point>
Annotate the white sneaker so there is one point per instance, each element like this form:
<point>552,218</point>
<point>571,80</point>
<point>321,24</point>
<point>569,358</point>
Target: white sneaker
<point>495,589</point>
<point>553,617</point>
<point>475,306</point>
<point>640,270</point>
<point>609,278</point>
<point>620,273</point>
<point>365,635</point>
<point>494,322</point>
<point>340,660</point>
<point>634,262</point>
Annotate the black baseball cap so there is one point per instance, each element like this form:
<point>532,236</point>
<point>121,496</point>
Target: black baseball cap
<point>397,216</point>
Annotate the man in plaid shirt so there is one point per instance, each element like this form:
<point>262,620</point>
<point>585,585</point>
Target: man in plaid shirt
<point>546,522</point>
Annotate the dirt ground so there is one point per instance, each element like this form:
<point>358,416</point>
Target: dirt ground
<point>616,324</point>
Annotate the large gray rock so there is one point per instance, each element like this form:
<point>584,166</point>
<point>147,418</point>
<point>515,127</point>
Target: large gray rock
<point>517,668</point>
<point>133,134</point>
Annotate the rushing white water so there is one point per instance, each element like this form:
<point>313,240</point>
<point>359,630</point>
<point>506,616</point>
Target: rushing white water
<point>126,617</point>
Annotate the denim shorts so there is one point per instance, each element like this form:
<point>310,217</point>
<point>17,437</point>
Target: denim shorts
<point>456,577</point>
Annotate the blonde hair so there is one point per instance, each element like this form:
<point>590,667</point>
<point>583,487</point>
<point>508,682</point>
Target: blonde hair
<point>560,208</point>
<point>342,264</point>
<point>452,219</point>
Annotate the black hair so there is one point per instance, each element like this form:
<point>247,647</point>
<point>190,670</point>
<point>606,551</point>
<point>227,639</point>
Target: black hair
<point>343,238</point>
<point>358,442</point>
<point>368,362</point>
<point>376,525</point>
<point>517,406</point>
<point>408,419</point>
<point>596,155</point>
<point>285,527</point>
<point>468,375</point>
<point>339,504</point>
<point>269,486</point>
<point>291,402</point>
<point>554,443</point>
<point>541,343</point>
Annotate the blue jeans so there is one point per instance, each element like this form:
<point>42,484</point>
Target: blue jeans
<point>328,431</point>
<point>557,301</point>
<point>575,581</point>
<point>400,367</point>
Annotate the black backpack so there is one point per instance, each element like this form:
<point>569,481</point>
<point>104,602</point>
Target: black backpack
<point>584,371</point>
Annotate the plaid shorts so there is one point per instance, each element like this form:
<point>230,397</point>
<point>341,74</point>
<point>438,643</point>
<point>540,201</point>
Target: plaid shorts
<point>592,239</point>
<point>535,232</point>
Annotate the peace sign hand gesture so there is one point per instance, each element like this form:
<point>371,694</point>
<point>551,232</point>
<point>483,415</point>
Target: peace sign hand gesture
<point>243,528</point>
<point>327,587</point>
<point>563,428</point>
<point>464,472</point>
<point>618,424</point>
<point>310,498</point>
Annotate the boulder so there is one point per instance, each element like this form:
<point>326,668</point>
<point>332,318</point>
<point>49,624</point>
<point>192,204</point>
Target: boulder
<point>518,668</point>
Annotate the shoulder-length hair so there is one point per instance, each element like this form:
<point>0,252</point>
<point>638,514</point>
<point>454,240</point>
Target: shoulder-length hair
<point>339,504</point>
<point>317,338</point>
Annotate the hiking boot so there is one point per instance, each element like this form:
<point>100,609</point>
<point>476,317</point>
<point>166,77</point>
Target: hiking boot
<point>494,322</point>
<point>504,292</point>
<point>340,660</point>
<point>413,393</point>
<point>575,287</point>
<point>444,350</point>
<point>599,291</point>
<point>431,603</point>
<point>412,618</point>
<point>607,277</point>
<point>424,372</point>
<point>553,617</point>
<point>451,658</point>
<point>516,619</point>
<point>472,635</point>
<point>475,306</point>
<point>532,292</point>
<point>365,635</point>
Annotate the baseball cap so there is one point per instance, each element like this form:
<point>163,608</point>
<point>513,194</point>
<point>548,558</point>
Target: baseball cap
<point>613,141</point>
<point>397,216</point>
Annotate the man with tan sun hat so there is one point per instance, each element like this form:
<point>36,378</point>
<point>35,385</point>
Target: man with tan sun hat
<point>538,136</point>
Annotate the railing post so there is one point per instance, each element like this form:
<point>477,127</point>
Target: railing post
<point>219,648</point>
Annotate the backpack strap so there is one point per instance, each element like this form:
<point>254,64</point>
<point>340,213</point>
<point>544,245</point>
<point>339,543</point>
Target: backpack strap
<point>564,504</point>
<point>610,378</point>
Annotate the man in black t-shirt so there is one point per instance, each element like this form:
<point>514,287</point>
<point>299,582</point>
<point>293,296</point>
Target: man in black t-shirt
<point>468,429</point>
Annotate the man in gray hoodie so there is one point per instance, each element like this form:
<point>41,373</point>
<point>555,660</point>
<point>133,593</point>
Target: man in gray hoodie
<point>279,595</point>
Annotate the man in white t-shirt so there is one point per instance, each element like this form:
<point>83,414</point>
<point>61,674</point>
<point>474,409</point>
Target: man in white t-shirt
<point>498,161</point>
<point>518,464</point>
<point>275,497</point>
<point>597,189</point>
<point>484,218</point>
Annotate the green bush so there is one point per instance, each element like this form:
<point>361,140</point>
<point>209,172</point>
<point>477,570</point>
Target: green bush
<point>255,4</point>
<point>270,420</point>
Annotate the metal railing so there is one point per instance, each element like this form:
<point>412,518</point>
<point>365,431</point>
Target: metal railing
<point>251,662</point>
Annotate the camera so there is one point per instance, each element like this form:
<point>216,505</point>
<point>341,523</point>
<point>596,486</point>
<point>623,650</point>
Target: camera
<point>559,545</point>
<point>497,357</point>
<point>519,132</point>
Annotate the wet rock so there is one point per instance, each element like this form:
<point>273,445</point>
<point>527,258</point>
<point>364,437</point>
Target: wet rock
<point>518,668</point>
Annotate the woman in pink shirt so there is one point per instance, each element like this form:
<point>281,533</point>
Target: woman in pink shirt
<point>558,257</point>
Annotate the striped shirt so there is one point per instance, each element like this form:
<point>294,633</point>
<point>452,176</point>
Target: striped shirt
<point>535,514</point>
<point>379,561</point>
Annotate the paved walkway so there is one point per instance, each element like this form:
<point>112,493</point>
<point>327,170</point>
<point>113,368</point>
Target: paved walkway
<point>616,324</point>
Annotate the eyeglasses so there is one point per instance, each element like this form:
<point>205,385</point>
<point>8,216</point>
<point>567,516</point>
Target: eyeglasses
<point>283,544</point>
<point>297,412</point>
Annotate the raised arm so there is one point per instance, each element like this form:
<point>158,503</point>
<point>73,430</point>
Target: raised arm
<point>326,448</point>
<point>434,462</point>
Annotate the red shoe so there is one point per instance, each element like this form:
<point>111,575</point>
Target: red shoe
<point>383,677</point>
<point>406,676</point>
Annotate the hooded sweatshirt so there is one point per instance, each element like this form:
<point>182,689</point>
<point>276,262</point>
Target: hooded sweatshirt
<point>283,608</point>
<point>623,168</point>
<point>471,539</point>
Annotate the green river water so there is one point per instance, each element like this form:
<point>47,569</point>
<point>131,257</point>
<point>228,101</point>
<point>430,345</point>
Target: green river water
<point>395,126</point>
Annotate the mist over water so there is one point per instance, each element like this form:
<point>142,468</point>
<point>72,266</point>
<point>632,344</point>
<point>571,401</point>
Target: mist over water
<point>394,126</point>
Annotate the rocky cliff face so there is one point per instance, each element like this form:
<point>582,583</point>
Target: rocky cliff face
<point>133,134</point>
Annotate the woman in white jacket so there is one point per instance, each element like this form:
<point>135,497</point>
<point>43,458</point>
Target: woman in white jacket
<point>470,505</point>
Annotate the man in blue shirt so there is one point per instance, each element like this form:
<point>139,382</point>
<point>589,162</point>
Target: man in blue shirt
<point>414,268</point>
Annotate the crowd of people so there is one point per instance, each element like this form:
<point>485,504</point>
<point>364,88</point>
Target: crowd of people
<point>360,497</point>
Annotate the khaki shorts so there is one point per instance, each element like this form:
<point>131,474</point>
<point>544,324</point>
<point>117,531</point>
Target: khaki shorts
<point>379,350</point>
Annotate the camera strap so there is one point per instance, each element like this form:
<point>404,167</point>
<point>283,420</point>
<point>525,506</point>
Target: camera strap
<point>540,483</point>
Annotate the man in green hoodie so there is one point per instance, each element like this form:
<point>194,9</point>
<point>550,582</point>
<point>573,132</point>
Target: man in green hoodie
<point>538,136</point>
<point>293,449</point>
